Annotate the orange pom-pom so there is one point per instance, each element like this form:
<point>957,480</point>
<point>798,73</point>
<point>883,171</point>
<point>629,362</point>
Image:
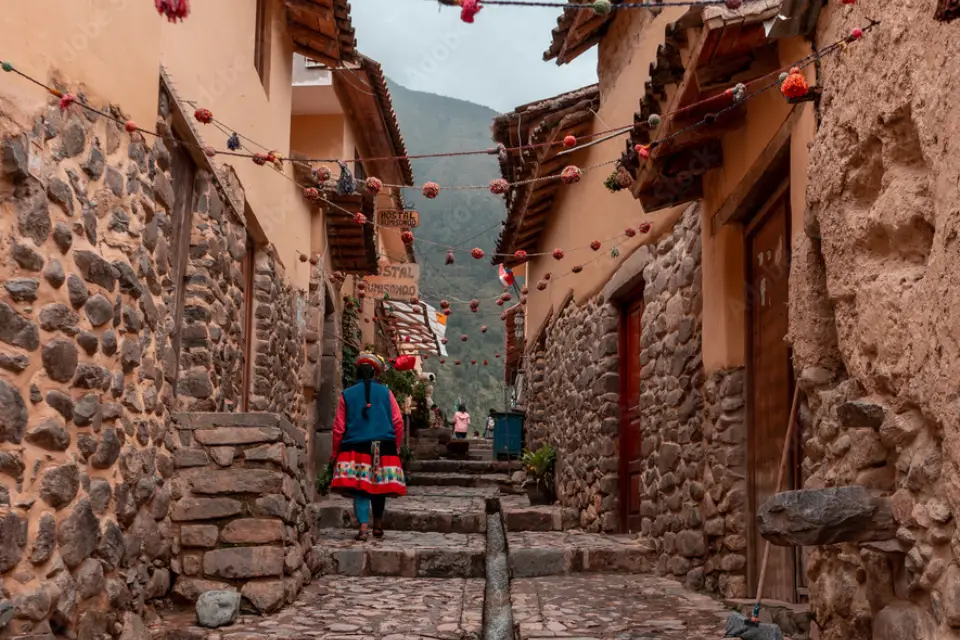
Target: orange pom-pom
<point>795,85</point>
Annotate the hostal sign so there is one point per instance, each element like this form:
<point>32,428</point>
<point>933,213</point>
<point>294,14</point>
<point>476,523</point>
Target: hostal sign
<point>397,281</point>
<point>396,218</point>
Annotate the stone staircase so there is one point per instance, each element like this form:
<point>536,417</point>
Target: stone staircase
<point>440,529</point>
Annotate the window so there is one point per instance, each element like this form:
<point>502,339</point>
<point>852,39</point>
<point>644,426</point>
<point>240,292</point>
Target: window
<point>358,171</point>
<point>313,64</point>
<point>261,48</point>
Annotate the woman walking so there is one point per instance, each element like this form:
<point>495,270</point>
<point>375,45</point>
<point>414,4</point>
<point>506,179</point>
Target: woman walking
<point>461,423</point>
<point>367,434</point>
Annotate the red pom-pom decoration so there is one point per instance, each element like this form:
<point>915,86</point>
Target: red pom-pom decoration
<point>733,4</point>
<point>469,9</point>
<point>203,116</point>
<point>500,302</point>
<point>595,245</point>
<point>577,268</point>
<point>569,142</point>
<point>499,186</point>
<point>374,185</point>
<point>66,99</point>
<point>558,254</point>
<point>520,256</point>
<point>474,305</point>
<point>260,159</point>
<point>473,362</point>
<point>407,237</point>
<point>311,193</point>
<point>571,175</point>
<point>629,232</point>
<point>856,33</point>
<point>795,86</point>
<point>642,150</point>
<point>445,340</point>
<point>359,218</point>
<point>483,329</point>
<point>322,174</point>
<point>464,338</point>
<point>485,363</point>
<point>130,126</point>
<point>450,260</point>
<point>457,363</point>
<point>447,312</point>
<point>547,276</point>
<point>477,253</point>
<point>361,286</point>
<point>496,355</point>
<point>443,361</point>
<point>644,227</point>
<point>173,9</point>
<point>430,190</point>
<point>444,304</point>
<point>506,297</point>
<point>524,291</point>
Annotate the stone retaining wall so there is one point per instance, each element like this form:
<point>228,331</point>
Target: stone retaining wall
<point>239,490</point>
<point>87,365</point>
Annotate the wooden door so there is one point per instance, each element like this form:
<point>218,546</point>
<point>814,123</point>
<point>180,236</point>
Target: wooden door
<point>770,383</point>
<point>631,431</point>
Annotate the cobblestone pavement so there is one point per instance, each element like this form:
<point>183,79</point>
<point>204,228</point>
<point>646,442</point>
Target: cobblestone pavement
<point>620,607</point>
<point>342,608</point>
<point>430,499</point>
<point>344,538</point>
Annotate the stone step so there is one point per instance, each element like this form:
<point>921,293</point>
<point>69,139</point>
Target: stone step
<point>401,553</point>
<point>428,509</point>
<point>534,554</point>
<point>431,479</point>
<point>464,466</point>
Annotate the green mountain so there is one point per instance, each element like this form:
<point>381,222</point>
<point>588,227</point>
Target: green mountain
<point>460,220</point>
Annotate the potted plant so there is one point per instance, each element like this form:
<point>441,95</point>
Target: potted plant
<point>539,466</point>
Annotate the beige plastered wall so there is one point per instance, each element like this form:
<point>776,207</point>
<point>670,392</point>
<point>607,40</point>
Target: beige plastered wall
<point>588,211</point>
<point>113,50</point>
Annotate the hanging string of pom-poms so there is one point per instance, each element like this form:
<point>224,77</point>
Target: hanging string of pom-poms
<point>174,10</point>
<point>470,8</point>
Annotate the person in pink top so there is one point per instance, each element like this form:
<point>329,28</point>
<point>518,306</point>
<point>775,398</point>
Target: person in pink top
<point>461,423</point>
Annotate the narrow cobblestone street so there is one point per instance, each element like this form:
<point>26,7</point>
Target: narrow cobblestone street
<point>425,580</point>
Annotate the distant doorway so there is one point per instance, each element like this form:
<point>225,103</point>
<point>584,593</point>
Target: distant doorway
<point>769,384</point>
<point>631,429</point>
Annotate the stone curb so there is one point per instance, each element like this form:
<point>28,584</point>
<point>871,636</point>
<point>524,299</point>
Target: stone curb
<point>336,517</point>
<point>463,466</point>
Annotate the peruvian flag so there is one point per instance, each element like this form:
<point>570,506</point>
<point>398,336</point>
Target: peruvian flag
<point>506,276</point>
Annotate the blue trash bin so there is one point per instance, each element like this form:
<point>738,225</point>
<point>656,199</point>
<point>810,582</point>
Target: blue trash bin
<point>507,435</point>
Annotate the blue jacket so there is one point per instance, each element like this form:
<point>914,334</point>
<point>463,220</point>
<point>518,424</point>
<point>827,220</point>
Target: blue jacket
<point>378,425</point>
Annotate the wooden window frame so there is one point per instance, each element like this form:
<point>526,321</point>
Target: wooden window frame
<point>262,42</point>
<point>249,299</point>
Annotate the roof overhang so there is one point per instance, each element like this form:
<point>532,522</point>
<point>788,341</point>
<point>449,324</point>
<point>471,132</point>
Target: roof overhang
<point>546,121</point>
<point>352,246</point>
<point>322,30</point>
<point>704,53</point>
<point>413,328</point>
<point>577,31</point>
<point>366,100</point>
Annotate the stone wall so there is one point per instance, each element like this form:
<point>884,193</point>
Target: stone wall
<point>239,490</point>
<point>874,320</point>
<point>573,405</point>
<point>723,508</point>
<point>87,300</point>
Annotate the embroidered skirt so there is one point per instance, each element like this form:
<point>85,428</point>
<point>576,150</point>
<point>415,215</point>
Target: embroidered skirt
<point>369,468</point>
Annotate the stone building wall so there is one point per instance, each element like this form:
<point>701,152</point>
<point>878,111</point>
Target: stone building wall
<point>239,489</point>
<point>87,299</point>
<point>875,318</point>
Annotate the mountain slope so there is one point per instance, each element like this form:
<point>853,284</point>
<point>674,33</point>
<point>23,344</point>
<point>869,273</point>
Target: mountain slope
<point>459,219</point>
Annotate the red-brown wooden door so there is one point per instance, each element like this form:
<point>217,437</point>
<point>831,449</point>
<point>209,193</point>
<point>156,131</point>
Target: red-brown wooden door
<point>770,384</point>
<point>631,432</point>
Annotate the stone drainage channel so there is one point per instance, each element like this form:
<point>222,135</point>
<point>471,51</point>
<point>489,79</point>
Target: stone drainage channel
<point>497,605</point>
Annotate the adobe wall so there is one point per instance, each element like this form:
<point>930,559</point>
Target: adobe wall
<point>875,320</point>
<point>86,362</point>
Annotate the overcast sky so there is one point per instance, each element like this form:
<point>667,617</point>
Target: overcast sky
<point>497,61</point>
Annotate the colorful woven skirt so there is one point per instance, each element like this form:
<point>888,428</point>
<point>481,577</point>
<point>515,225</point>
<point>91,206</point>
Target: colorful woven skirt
<point>371,468</point>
